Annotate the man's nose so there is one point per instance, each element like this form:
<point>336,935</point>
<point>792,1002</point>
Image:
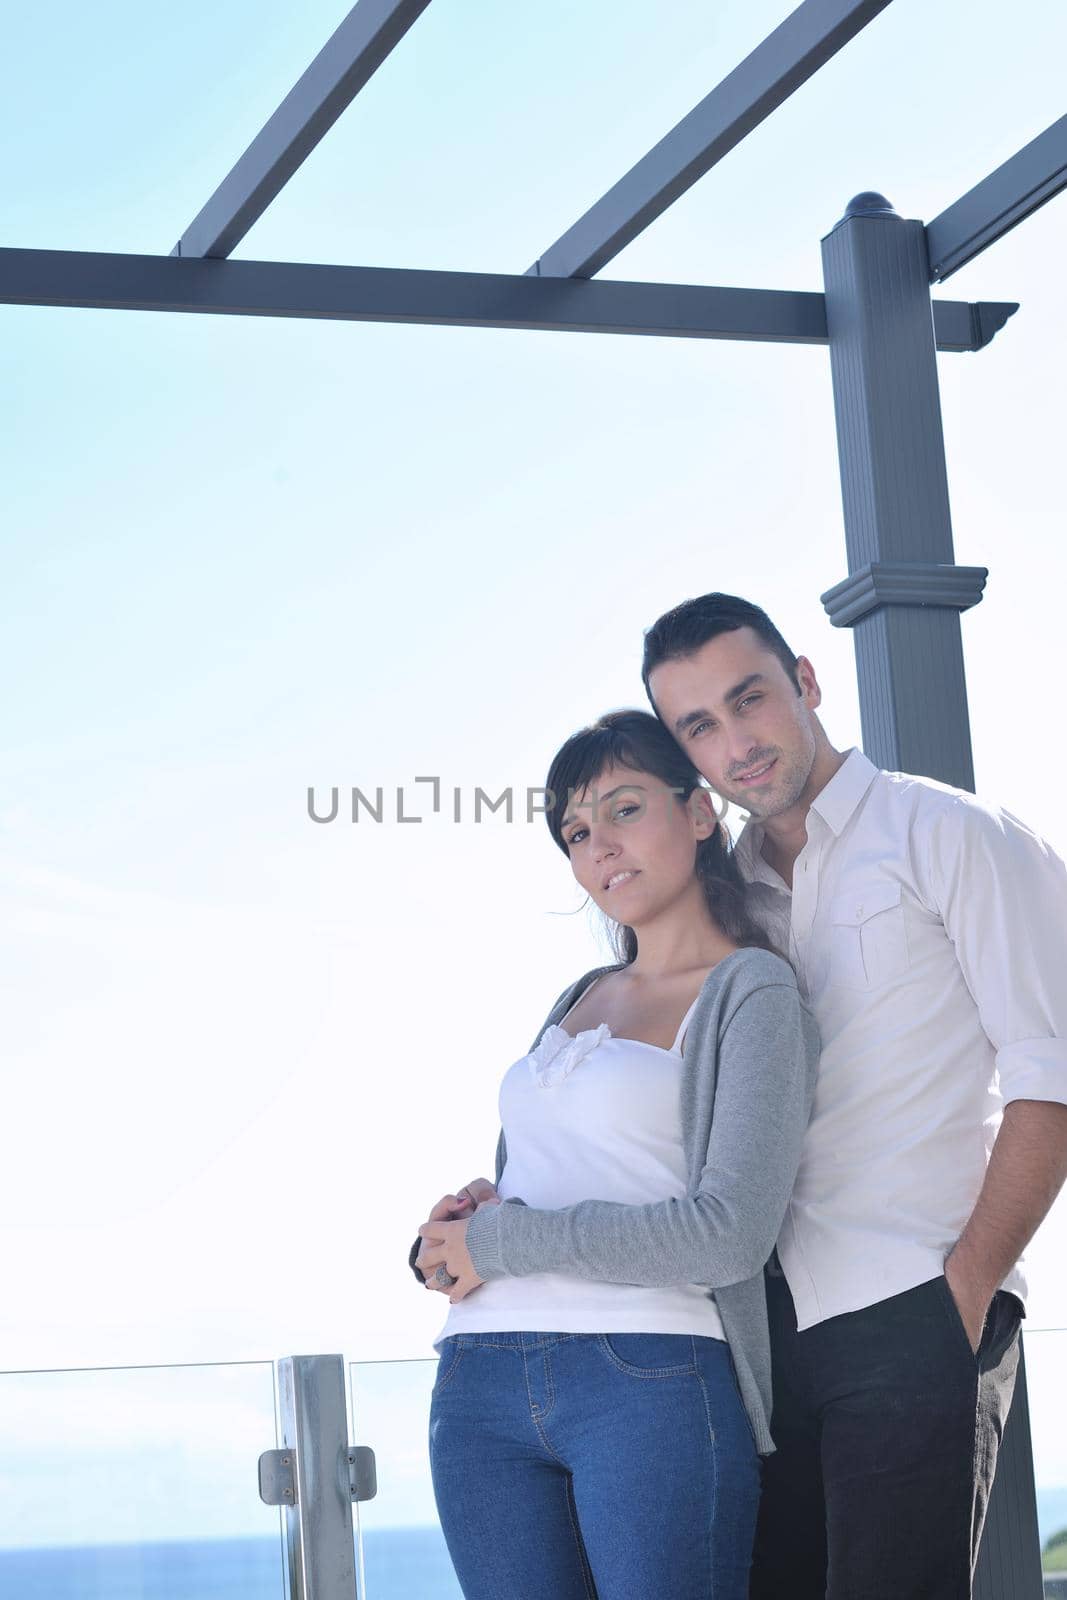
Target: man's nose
<point>743,748</point>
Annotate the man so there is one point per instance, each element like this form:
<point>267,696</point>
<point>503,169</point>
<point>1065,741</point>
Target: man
<point>929,934</point>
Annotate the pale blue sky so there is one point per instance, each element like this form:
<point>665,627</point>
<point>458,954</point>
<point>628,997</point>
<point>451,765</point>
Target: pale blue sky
<point>247,555</point>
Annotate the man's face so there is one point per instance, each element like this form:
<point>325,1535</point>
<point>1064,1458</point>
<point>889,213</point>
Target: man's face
<point>737,715</point>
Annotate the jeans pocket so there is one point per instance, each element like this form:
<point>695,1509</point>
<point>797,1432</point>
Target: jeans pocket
<point>650,1355</point>
<point>447,1365</point>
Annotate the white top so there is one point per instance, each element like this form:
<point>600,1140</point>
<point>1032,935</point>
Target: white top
<point>929,935</point>
<point>591,1117</point>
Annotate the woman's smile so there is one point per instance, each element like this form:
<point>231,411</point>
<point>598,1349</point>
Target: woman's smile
<point>620,877</point>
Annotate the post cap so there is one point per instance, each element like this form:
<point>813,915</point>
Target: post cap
<point>869,204</point>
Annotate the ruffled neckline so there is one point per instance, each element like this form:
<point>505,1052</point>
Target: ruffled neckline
<point>557,1052</point>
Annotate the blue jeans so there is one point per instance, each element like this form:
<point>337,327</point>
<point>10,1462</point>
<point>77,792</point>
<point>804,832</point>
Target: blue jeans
<point>592,1466</point>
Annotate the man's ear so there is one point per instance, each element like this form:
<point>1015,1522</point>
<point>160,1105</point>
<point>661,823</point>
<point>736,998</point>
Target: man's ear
<point>809,684</point>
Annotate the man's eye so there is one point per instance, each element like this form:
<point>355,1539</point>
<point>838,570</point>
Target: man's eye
<point>750,697</point>
<point>698,729</point>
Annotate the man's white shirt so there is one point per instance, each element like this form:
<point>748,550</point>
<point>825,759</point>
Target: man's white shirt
<point>929,935</point>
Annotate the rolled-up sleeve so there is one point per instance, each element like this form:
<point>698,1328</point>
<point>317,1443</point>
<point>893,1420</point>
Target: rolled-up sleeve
<point>1001,892</point>
<point>1033,1069</point>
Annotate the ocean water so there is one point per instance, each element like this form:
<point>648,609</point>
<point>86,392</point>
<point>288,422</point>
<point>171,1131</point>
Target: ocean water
<point>399,1563</point>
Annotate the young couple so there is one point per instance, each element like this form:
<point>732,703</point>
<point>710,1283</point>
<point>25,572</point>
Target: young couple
<point>762,1184</point>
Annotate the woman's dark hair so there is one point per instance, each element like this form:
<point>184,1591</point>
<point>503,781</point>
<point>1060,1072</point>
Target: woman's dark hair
<point>639,741</point>
<point>686,629</point>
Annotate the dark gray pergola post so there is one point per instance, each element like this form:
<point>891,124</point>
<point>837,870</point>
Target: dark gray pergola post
<point>903,594</point>
<point>903,599</point>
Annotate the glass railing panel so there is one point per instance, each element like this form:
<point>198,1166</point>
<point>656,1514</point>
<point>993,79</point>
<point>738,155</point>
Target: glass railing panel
<point>138,1483</point>
<point>400,1550</point>
<point>1046,1381</point>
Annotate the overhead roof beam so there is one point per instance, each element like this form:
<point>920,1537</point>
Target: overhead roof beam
<point>456,299</point>
<point>803,43</point>
<point>1007,197</point>
<point>344,64</point>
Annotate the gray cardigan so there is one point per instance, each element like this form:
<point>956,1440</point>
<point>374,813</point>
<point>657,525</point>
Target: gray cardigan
<point>751,1053</point>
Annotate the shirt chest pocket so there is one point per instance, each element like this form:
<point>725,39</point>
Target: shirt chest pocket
<point>868,940</point>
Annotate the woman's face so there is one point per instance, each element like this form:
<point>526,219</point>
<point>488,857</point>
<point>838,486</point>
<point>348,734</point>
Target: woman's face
<point>632,842</point>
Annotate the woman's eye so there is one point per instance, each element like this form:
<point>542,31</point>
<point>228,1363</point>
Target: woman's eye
<point>624,810</point>
<point>576,836</point>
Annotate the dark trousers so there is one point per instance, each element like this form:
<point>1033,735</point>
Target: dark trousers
<point>887,1426</point>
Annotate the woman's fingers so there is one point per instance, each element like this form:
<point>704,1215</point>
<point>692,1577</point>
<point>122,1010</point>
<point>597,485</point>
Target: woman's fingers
<point>467,1280</point>
<point>445,1244</point>
<point>429,1259</point>
<point>448,1206</point>
<point>481,1189</point>
<point>428,1262</point>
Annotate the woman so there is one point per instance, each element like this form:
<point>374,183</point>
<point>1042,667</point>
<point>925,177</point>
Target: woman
<point>602,1395</point>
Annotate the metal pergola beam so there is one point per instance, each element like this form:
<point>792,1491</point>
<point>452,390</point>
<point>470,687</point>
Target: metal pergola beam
<point>1007,197</point>
<point>790,55</point>
<point>344,64</point>
<point>109,282</point>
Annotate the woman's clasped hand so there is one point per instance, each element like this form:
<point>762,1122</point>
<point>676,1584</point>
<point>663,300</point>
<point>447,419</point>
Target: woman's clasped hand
<point>444,1236</point>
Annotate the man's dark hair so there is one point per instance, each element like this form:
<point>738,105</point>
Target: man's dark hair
<point>683,631</point>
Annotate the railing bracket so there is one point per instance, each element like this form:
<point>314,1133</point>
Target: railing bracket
<point>362,1472</point>
<point>277,1480</point>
